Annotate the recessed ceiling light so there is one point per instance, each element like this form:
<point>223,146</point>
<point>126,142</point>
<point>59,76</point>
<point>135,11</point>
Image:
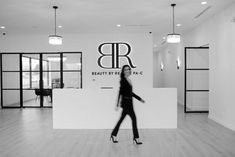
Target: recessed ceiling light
<point>178,25</point>
<point>203,2</point>
<point>118,25</point>
<point>2,27</point>
<point>164,38</point>
<point>60,26</point>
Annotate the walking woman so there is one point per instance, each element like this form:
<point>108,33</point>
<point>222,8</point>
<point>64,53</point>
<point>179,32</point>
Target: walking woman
<point>125,99</point>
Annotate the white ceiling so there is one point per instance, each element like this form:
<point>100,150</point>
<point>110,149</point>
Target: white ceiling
<point>102,16</point>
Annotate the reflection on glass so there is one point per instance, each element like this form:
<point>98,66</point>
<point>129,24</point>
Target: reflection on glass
<point>46,80</point>
<point>197,101</point>
<point>10,80</point>
<point>31,98</point>
<point>198,80</point>
<point>10,62</point>
<point>54,79</point>
<point>56,58</point>
<point>11,98</point>
<point>52,64</point>
<point>26,79</point>
<point>35,79</point>
<point>72,79</point>
<point>35,64</point>
<point>197,58</point>
<point>30,64</point>
<point>26,63</point>
<point>72,66</point>
<point>45,65</point>
<point>73,62</point>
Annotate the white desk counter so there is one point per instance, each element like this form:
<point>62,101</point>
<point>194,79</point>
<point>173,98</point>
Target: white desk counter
<point>95,109</point>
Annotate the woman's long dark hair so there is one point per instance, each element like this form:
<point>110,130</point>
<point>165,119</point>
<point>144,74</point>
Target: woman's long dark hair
<point>122,76</point>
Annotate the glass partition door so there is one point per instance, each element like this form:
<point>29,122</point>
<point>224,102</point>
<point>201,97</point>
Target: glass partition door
<point>28,79</point>
<point>10,80</point>
<point>51,75</point>
<point>72,73</point>
<point>31,79</point>
<point>196,79</point>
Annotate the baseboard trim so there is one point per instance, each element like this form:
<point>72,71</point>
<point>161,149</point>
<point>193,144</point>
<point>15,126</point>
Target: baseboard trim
<point>227,125</point>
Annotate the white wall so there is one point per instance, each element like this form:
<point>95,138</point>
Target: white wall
<point>219,33</point>
<point>222,63</point>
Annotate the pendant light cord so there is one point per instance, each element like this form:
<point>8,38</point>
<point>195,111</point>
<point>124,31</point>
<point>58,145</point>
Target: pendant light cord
<point>55,21</point>
<point>55,7</point>
<point>173,5</point>
<point>173,20</point>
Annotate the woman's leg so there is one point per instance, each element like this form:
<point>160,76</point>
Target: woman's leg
<point>134,124</point>
<point>115,130</point>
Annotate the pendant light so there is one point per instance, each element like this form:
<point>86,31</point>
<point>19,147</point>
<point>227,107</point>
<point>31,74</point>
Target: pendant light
<point>173,37</point>
<point>55,39</point>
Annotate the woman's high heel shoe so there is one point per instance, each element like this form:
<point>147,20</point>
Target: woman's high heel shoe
<point>136,141</point>
<point>113,139</point>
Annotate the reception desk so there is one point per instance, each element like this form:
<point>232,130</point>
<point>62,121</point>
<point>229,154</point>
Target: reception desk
<point>95,109</point>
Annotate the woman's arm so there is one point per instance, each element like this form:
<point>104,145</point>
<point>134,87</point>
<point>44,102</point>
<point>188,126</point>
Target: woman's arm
<point>137,97</point>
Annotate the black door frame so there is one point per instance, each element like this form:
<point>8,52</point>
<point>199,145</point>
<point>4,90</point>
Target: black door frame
<point>40,74</point>
<point>20,84</point>
<point>185,80</point>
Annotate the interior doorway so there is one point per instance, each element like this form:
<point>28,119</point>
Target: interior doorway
<point>196,92</point>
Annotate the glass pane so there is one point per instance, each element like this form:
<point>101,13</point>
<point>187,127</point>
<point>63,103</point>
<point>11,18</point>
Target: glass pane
<point>54,80</point>
<point>46,80</point>
<point>35,64</point>
<point>72,62</point>
<point>47,97</point>
<point>10,62</point>
<point>31,98</point>
<point>11,80</point>
<point>30,62</point>
<point>45,65</point>
<point>197,58</point>
<point>198,80</point>
<point>197,101</point>
<point>26,79</point>
<point>72,79</point>
<point>53,61</point>
<point>11,98</point>
<point>35,79</point>
<point>26,63</point>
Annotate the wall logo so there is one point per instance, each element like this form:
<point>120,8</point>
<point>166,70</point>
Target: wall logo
<point>111,53</point>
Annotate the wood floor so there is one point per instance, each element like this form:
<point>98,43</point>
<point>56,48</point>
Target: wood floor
<point>29,133</point>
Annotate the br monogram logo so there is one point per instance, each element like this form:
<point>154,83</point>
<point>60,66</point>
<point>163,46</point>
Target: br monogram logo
<point>114,55</point>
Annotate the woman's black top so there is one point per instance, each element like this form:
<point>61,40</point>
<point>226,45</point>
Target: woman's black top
<point>126,92</point>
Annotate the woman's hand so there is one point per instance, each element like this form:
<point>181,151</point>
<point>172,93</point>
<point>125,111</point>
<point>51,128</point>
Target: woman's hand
<point>116,108</point>
<point>142,101</point>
